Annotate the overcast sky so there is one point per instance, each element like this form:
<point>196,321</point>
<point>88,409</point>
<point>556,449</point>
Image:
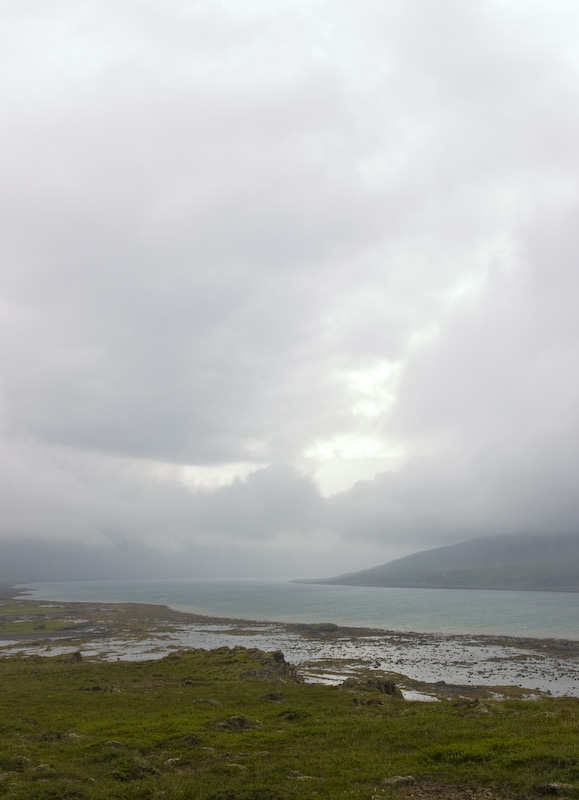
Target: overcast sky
<point>288,287</point>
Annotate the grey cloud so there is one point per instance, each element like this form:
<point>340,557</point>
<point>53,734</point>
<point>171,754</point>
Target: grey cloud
<point>180,272</point>
<point>212,214</point>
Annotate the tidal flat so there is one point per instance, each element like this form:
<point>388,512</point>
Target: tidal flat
<point>425,665</point>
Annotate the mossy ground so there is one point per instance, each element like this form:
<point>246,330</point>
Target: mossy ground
<point>203,724</point>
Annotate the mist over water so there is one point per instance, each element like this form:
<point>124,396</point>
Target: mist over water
<point>452,611</point>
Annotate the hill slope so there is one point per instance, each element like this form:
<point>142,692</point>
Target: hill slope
<point>545,563</point>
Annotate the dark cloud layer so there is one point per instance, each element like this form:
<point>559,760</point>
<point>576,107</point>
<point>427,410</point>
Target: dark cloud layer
<point>287,290</point>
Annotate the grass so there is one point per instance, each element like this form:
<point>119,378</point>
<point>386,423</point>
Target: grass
<point>205,725</point>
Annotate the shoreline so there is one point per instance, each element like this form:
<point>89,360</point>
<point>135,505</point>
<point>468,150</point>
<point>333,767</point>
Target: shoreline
<point>529,615</point>
<point>321,629</point>
<point>429,665</point>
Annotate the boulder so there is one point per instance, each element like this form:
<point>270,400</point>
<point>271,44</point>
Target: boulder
<point>382,685</point>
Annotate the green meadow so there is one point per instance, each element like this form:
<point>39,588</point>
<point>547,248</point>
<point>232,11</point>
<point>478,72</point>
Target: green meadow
<point>235,725</point>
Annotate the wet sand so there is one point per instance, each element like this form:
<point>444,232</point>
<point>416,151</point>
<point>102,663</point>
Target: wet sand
<point>423,664</point>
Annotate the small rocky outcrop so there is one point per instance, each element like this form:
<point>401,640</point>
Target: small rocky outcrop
<point>382,685</point>
<point>272,667</point>
<point>74,658</point>
<point>385,687</point>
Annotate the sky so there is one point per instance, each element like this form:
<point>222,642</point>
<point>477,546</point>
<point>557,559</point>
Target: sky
<point>286,288</point>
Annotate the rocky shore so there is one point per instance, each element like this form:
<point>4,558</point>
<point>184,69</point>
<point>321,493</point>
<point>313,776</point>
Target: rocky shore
<point>425,666</point>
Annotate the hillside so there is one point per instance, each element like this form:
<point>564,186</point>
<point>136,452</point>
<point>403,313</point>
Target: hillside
<point>546,563</point>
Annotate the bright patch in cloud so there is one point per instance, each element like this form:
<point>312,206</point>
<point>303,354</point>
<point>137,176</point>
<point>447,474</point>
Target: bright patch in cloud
<point>378,388</point>
<point>351,446</point>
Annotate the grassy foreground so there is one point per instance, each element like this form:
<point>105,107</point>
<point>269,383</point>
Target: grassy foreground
<point>234,725</point>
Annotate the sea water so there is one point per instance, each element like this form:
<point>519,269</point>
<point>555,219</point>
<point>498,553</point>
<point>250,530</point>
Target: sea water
<point>451,611</point>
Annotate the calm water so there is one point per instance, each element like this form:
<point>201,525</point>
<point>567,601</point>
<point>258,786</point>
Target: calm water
<point>534,614</point>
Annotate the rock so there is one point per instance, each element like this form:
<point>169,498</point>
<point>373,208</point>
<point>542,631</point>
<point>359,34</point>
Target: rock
<point>272,667</point>
<point>399,780</point>
<point>556,788</point>
<point>386,687</point>
<point>382,685</point>
<point>74,658</point>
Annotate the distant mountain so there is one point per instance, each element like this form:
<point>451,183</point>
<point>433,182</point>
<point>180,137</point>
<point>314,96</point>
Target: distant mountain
<point>532,563</point>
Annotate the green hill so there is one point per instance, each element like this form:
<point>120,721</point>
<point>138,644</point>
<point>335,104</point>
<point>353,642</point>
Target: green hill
<point>532,563</point>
